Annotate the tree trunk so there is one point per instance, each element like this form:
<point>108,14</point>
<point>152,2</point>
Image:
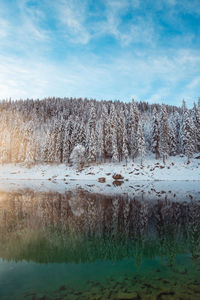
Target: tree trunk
<point>164,159</point>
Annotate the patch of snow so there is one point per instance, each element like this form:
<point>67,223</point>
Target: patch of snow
<point>176,168</point>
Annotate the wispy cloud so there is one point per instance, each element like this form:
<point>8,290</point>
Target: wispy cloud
<point>72,15</point>
<point>4,28</point>
<point>149,78</point>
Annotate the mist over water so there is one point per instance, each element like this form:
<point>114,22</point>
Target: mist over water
<point>77,244</point>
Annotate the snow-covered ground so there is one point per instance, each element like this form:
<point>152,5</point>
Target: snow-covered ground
<point>177,180</point>
<point>176,168</point>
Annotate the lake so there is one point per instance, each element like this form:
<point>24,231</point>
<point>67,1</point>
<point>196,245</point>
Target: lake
<point>114,241</point>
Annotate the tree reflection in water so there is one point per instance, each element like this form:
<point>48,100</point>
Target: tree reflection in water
<point>81,227</point>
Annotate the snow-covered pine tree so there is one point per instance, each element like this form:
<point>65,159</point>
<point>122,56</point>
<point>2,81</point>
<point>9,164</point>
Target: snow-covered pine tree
<point>187,133</point>
<point>92,136</point>
<point>29,160</point>
<point>125,144</point>
<point>177,119</point>
<point>107,135</point>
<point>115,155</point>
<point>15,141</point>
<point>75,133</point>
<point>196,119</point>
<point>67,145</point>
<point>45,147</point>
<point>156,134</point>
<point>92,151</point>
<point>133,129</point>
<point>81,134</point>
<point>113,129</point>
<point>100,140</point>
<point>164,133</point>
<point>120,131</point>
<point>4,146</point>
<point>78,156</point>
<point>92,118</point>
<point>60,133</point>
<point>141,143</point>
<point>172,138</point>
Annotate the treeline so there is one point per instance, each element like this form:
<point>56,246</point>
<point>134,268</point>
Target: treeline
<point>49,130</point>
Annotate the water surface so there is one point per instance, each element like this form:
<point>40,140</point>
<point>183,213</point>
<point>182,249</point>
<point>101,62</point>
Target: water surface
<point>76,244</point>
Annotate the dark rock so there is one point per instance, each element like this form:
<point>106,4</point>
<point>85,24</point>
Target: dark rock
<point>117,183</point>
<point>117,176</point>
<point>102,179</point>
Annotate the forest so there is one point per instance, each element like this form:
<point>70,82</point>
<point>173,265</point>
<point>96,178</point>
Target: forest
<point>66,130</point>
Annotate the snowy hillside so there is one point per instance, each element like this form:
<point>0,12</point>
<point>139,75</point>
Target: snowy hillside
<point>64,131</point>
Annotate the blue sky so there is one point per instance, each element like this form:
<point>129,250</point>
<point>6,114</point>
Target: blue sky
<point>103,49</point>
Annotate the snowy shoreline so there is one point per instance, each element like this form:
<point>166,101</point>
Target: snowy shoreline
<point>176,168</point>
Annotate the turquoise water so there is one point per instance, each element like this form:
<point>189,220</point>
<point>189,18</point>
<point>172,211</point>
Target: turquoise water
<point>81,245</point>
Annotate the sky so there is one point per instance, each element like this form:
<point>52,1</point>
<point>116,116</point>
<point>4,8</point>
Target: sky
<point>104,49</point>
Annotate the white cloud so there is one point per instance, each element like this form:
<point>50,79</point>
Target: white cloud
<point>195,82</point>
<point>72,15</point>
<point>152,78</point>
<point>4,28</point>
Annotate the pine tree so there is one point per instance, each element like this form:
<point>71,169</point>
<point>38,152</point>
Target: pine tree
<point>177,123</point>
<point>81,134</point>
<point>46,146</point>
<point>133,129</point>
<point>196,120</point>
<point>172,138</point>
<point>4,146</point>
<point>93,117</point>
<point>107,133</point>
<point>67,144</point>
<point>120,131</point>
<point>78,156</point>
<point>156,134</point>
<point>92,151</point>
<point>125,144</point>
<point>59,133</point>
<point>164,133</point>
<point>92,136</point>
<point>101,149</point>
<point>141,143</point>
<point>113,128</point>
<point>187,133</point>
<point>29,158</point>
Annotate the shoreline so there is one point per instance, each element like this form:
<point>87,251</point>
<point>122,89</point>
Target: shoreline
<point>175,169</point>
